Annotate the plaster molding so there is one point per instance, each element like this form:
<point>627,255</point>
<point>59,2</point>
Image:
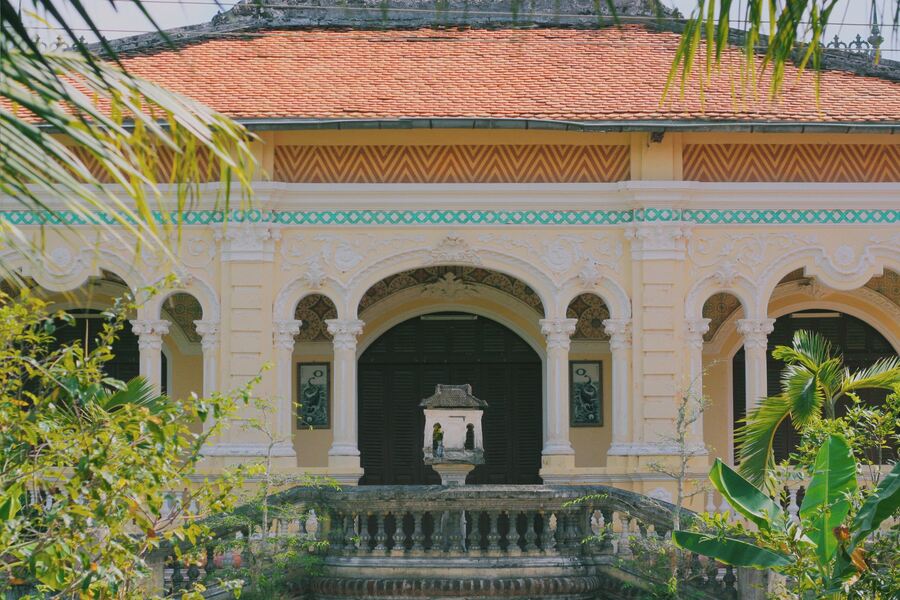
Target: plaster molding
<point>150,332</point>
<point>695,330</point>
<point>655,449</point>
<point>450,287</point>
<point>658,240</point>
<point>558,332</point>
<point>278,450</point>
<point>284,332</point>
<point>247,242</point>
<point>209,332</point>
<point>755,332</point>
<point>619,332</point>
<point>345,332</point>
<point>454,249</point>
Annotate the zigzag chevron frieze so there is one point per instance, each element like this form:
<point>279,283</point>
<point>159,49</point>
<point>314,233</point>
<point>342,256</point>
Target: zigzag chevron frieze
<point>829,163</point>
<point>452,164</point>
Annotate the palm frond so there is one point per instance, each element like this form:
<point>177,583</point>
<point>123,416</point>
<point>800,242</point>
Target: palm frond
<point>801,386</point>
<point>120,124</point>
<point>795,30</point>
<point>884,374</point>
<point>137,392</point>
<point>756,437</point>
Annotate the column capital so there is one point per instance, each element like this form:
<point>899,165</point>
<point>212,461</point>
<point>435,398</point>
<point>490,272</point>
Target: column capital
<point>344,332</point>
<point>558,332</point>
<point>150,332</point>
<point>755,332</point>
<point>208,332</point>
<point>658,240</point>
<point>619,332</point>
<point>695,330</point>
<point>284,331</point>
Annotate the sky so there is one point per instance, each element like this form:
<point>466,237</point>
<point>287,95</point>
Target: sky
<point>849,18</point>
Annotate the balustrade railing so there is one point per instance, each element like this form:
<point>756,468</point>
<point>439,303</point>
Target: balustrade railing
<point>573,529</point>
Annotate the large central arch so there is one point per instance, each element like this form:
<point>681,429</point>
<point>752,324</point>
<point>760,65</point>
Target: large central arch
<point>403,365</point>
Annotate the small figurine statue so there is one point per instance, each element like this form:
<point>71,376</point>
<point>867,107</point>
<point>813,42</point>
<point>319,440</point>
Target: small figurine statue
<point>437,441</point>
<point>469,444</point>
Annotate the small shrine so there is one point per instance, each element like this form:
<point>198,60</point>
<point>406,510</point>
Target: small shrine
<point>453,436</point>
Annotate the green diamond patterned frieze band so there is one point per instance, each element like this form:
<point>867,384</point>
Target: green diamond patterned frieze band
<point>702,216</point>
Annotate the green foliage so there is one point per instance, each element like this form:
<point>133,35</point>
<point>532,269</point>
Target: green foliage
<point>126,126</point>
<point>813,382</point>
<point>827,499</point>
<point>86,461</point>
<point>822,553</point>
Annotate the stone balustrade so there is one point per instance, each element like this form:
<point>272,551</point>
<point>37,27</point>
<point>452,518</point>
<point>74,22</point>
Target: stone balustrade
<point>573,542</point>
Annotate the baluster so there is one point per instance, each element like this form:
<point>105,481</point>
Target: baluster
<point>712,574</point>
<point>438,531</point>
<point>193,574</point>
<point>724,507</point>
<point>530,533</point>
<point>380,537</point>
<point>696,568</point>
<point>210,565</point>
<point>606,516</point>
<point>493,535</point>
<point>418,536</point>
<point>730,580</point>
<point>625,535</point>
<point>336,535</point>
<point>710,504</point>
<point>793,507</point>
<point>513,537</point>
<point>548,542</point>
<point>473,539</point>
<point>364,536</point>
<point>455,534</point>
<point>177,577</point>
<point>350,537</point>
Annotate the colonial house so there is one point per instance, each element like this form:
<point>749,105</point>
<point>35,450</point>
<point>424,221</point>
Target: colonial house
<point>487,194</point>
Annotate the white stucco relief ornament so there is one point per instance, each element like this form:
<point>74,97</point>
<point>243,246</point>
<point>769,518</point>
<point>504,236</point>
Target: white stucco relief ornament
<point>561,253</point>
<point>661,494</point>
<point>247,242</point>
<point>449,287</point>
<point>454,249</point>
<point>199,252</point>
<point>658,241</point>
<point>726,275</point>
<point>314,277</point>
<point>742,250</point>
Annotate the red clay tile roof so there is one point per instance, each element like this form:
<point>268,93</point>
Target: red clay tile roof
<point>613,74</point>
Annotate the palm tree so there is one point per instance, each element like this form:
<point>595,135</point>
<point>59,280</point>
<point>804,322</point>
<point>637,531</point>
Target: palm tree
<point>814,380</point>
<point>63,109</point>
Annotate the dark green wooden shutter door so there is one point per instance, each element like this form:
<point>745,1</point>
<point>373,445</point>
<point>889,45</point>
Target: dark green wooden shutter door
<point>860,344</point>
<point>404,365</point>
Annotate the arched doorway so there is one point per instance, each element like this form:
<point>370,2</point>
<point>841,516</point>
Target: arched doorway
<point>83,329</point>
<point>858,342</point>
<point>403,366</point>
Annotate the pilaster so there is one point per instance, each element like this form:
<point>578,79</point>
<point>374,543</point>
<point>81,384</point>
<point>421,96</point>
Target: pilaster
<point>658,363</point>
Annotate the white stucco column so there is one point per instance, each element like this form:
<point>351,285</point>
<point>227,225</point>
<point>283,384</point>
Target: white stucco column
<point>755,333</point>
<point>150,332</point>
<point>695,329</point>
<point>619,331</point>
<point>283,333</point>
<point>343,457</point>
<point>556,410</point>
<point>209,342</point>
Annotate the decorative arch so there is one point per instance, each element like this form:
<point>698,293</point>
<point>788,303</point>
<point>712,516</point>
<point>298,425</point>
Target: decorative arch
<point>724,281</point>
<point>842,271</point>
<point>452,251</point>
<point>290,295</point>
<point>194,286</point>
<point>867,297</point>
<point>397,300</point>
<point>62,268</point>
<point>609,290</point>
